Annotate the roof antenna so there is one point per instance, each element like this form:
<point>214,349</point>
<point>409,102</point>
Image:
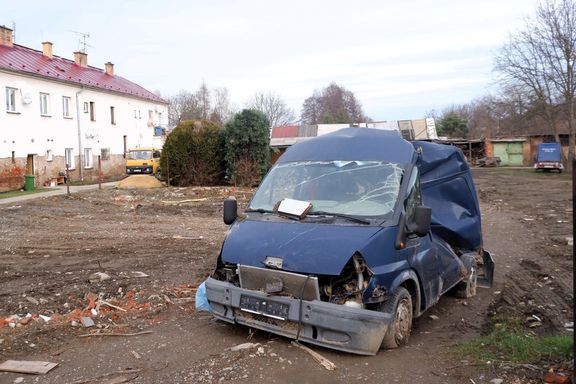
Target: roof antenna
<point>82,40</point>
<point>13,31</point>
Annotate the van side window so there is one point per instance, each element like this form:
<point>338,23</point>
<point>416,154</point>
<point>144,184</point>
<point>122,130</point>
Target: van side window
<point>414,198</point>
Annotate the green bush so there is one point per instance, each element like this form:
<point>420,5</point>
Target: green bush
<point>193,154</point>
<point>247,146</point>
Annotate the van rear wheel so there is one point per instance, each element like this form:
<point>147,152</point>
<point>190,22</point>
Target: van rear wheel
<point>400,307</point>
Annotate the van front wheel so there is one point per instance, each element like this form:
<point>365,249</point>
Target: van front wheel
<point>400,307</point>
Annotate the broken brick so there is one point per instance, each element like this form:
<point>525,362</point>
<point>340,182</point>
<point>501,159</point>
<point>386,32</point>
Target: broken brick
<point>557,378</point>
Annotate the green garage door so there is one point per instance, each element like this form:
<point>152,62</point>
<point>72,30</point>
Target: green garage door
<point>509,153</point>
<point>515,156</point>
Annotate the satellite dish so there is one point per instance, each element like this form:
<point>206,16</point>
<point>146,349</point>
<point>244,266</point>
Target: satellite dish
<point>26,99</point>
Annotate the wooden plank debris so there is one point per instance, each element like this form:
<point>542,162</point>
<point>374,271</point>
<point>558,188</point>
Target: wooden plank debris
<point>116,334</point>
<point>33,367</point>
<point>318,357</point>
<point>175,202</point>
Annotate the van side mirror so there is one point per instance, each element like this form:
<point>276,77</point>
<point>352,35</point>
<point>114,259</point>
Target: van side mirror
<point>421,222</point>
<point>420,225</point>
<point>230,210</point>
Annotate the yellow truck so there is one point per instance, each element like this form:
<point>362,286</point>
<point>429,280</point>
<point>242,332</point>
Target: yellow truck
<point>143,161</point>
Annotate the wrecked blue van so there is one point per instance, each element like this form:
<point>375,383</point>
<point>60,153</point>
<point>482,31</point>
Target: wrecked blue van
<point>350,236</point>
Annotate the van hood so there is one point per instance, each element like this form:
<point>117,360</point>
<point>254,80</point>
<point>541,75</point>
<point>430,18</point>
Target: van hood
<point>303,247</point>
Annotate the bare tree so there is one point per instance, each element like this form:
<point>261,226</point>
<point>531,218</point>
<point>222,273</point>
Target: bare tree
<point>203,98</point>
<point>333,104</point>
<point>182,106</point>
<point>222,110</point>
<point>273,107</point>
<point>541,60</point>
<point>205,104</point>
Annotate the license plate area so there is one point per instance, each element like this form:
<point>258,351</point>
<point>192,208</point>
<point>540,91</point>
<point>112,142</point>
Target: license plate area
<point>264,306</point>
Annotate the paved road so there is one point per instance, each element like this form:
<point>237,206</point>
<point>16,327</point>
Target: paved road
<point>59,190</point>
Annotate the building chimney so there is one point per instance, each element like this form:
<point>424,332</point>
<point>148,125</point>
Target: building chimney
<point>109,68</point>
<point>81,59</point>
<point>6,36</point>
<point>47,49</point>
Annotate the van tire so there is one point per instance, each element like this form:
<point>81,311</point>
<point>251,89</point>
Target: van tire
<point>400,307</point>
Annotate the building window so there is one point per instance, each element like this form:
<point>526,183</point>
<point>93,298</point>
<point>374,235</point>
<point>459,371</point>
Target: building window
<point>66,107</point>
<point>105,153</point>
<point>11,99</point>
<point>112,116</point>
<point>135,114</point>
<point>88,160</point>
<point>44,104</point>
<point>85,107</point>
<point>125,142</point>
<point>150,114</point>
<point>49,155</point>
<point>92,112</point>
<point>69,158</point>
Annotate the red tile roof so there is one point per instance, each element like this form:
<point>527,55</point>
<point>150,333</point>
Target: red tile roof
<point>30,61</point>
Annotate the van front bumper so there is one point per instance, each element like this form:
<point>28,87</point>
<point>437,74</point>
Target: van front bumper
<point>325,324</point>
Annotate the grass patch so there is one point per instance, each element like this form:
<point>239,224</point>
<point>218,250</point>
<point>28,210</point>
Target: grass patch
<point>5,195</point>
<point>509,343</point>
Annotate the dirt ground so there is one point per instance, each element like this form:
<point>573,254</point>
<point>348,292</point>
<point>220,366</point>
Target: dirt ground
<point>156,246</point>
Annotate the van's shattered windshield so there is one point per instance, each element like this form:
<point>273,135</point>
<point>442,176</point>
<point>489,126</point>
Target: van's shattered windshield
<point>357,188</point>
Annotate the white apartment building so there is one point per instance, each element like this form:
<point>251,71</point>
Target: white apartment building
<point>56,112</point>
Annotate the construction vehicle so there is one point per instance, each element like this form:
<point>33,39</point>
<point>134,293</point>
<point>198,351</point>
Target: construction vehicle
<point>143,161</point>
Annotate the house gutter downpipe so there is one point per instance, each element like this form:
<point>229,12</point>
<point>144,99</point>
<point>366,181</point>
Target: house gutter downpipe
<point>80,165</point>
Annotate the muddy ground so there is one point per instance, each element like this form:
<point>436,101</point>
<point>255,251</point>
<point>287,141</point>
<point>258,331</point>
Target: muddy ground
<point>158,245</point>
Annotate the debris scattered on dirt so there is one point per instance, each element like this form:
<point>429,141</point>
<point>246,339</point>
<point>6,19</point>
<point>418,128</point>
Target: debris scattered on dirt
<point>105,226</point>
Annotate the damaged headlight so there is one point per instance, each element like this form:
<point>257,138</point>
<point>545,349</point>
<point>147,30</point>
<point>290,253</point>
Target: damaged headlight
<point>348,288</point>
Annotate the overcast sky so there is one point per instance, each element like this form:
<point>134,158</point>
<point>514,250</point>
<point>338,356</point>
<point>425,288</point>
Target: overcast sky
<point>401,58</point>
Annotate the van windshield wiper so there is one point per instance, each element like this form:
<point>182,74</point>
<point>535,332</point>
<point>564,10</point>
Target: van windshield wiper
<point>259,210</point>
<point>341,215</point>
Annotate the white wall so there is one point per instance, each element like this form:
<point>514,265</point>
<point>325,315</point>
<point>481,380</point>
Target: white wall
<point>27,132</point>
